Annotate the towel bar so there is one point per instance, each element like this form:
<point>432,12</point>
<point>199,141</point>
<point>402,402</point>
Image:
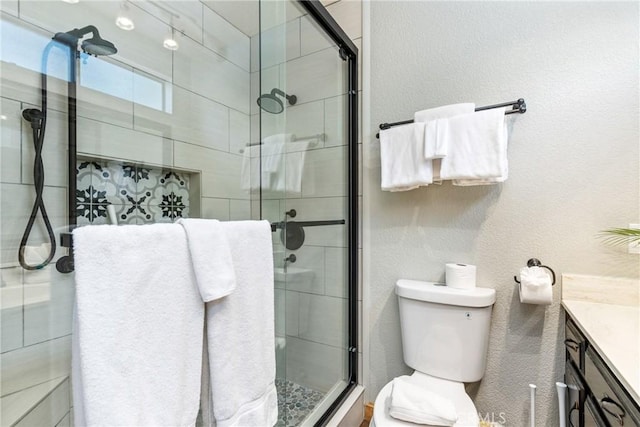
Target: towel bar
<point>518,106</point>
<point>318,136</point>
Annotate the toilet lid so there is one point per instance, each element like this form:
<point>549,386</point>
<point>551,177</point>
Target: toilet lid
<point>466,410</point>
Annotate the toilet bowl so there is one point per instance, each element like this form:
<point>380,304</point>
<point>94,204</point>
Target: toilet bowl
<point>454,391</point>
<point>445,337</point>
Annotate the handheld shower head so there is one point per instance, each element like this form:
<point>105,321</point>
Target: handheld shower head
<point>270,103</point>
<point>33,116</point>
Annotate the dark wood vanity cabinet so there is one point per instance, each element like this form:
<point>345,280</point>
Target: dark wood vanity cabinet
<point>595,396</point>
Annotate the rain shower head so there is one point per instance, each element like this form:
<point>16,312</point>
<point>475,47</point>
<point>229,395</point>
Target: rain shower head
<point>96,45</point>
<point>270,102</point>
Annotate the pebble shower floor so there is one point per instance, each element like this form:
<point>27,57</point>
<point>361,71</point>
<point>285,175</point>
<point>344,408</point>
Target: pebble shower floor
<point>295,402</point>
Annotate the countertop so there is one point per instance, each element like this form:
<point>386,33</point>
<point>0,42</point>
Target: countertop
<point>613,329</point>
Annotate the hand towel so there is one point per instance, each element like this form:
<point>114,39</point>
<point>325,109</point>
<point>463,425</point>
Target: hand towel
<point>436,148</point>
<point>412,403</point>
<point>240,333</point>
<point>403,166</point>
<point>210,256</point>
<point>477,147</point>
<point>138,327</point>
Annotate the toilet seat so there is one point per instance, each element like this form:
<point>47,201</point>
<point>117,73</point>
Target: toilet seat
<point>466,410</point>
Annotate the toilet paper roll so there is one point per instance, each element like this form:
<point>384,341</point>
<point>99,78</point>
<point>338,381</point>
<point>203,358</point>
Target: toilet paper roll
<point>535,286</point>
<point>460,276</point>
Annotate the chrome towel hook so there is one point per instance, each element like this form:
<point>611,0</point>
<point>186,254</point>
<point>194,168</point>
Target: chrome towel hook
<point>535,262</point>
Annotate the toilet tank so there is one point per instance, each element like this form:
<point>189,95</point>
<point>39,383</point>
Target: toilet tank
<point>445,331</point>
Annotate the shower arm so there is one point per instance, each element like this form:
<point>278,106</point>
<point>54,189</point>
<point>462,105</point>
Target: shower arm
<point>290,98</point>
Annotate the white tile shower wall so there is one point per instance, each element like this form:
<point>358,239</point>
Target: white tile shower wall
<point>140,105</point>
<point>194,63</point>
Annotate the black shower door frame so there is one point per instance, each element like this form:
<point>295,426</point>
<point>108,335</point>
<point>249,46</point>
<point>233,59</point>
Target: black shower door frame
<point>349,52</point>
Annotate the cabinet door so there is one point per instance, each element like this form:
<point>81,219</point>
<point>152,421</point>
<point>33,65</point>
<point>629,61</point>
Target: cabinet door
<point>592,416</point>
<point>575,396</point>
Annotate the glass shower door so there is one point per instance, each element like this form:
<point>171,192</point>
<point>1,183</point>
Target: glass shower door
<point>304,177</point>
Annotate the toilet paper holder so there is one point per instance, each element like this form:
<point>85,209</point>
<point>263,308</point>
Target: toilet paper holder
<point>534,262</point>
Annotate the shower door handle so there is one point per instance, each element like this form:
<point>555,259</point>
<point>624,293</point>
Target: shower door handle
<point>317,223</point>
<point>284,224</point>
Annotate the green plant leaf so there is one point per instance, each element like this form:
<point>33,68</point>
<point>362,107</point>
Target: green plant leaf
<point>620,236</point>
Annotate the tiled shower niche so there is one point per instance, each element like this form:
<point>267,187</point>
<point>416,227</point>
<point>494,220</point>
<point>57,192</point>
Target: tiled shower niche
<point>139,194</point>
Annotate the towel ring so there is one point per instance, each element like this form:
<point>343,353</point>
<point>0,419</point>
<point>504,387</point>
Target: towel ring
<point>534,262</point>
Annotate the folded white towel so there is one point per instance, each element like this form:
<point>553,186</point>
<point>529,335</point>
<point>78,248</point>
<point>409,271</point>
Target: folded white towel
<point>138,327</point>
<point>240,333</point>
<point>412,403</point>
<point>403,166</point>
<point>477,147</point>
<point>210,256</point>
<point>436,148</point>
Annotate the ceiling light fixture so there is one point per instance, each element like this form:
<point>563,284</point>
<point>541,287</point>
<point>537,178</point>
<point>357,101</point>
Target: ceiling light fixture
<point>124,20</point>
<point>170,41</point>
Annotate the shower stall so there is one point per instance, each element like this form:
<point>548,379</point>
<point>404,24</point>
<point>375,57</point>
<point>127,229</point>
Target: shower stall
<point>137,112</point>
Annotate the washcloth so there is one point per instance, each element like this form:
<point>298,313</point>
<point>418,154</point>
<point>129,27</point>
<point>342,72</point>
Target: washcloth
<point>403,165</point>
<point>477,147</point>
<point>240,333</point>
<point>210,256</point>
<point>435,148</point>
<point>138,327</point>
<point>410,402</point>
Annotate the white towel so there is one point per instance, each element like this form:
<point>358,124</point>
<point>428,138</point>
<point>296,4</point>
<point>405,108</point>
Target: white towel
<point>273,149</point>
<point>138,327</point>
<point>240,333</point>
<point>250,176</point>
<point>477,148</point>
<point>403,166</point>
<point>289,178</point>
<point>436,148</point>
<point>261,162</point>
<point>210,256</point>
<point>443,112</point>
<point>412,403</point>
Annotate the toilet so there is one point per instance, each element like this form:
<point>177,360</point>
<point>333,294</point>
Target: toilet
<point>445,336</point>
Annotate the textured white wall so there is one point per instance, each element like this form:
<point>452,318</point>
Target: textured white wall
<point>574,170</point>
